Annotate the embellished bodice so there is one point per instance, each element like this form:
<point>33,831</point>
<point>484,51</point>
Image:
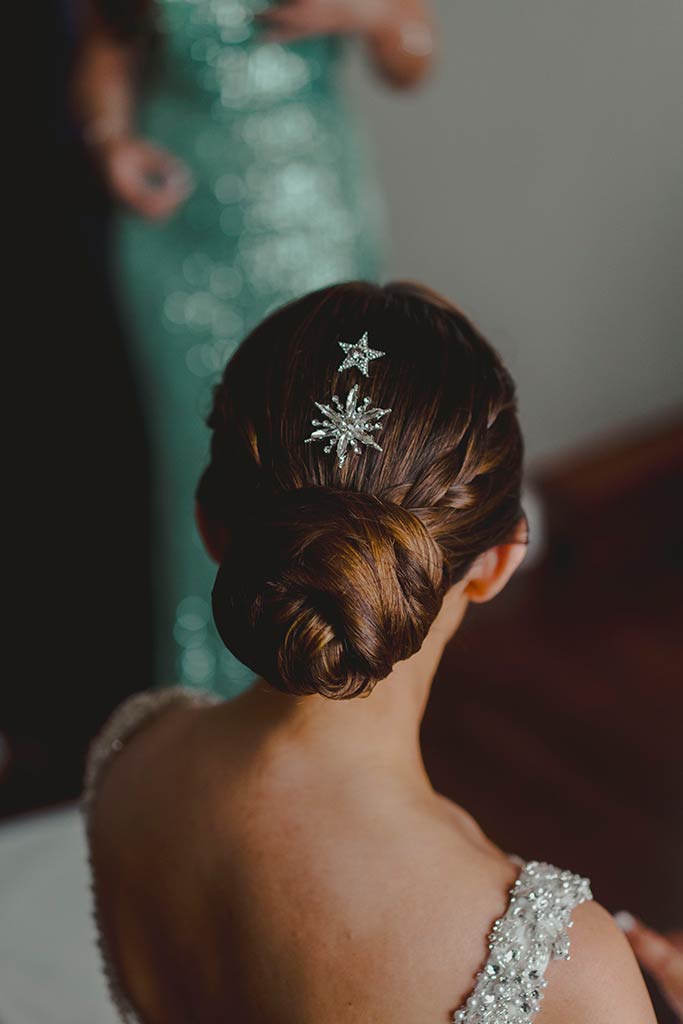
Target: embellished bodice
<point>533,931</point>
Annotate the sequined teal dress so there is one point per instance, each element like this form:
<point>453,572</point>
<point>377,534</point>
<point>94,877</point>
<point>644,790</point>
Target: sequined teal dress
<point>284,201</point>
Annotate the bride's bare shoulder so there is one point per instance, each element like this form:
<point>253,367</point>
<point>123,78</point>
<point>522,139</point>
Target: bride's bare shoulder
<point>602,983</point>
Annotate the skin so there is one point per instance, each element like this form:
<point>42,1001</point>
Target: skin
<point>150,181</point>
<point>281,860</point>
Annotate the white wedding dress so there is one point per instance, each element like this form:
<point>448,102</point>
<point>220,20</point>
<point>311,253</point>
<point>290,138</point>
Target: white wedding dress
<point>532,931</point>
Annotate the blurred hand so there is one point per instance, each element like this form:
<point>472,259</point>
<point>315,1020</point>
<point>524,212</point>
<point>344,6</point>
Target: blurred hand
<point>299,19</point>
<point>660,955</point>
<point>144,177</point>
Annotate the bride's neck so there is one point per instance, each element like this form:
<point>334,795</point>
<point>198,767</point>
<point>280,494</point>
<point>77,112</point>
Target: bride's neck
<point>378,733</point>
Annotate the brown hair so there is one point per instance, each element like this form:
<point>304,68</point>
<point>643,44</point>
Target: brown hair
<point>334,574</point>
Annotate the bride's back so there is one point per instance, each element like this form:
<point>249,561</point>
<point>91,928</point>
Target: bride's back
<point>246,885</point>
<point>242,883</point>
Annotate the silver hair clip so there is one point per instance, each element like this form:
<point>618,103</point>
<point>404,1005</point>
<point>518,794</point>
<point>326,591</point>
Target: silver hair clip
<point>350,425</point>
<point>359,355</point>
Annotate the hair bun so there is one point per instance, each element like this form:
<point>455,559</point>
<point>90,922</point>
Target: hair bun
<point>324,591</point>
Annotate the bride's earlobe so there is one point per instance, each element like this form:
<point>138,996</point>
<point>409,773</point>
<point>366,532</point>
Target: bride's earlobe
<point>492,569</point>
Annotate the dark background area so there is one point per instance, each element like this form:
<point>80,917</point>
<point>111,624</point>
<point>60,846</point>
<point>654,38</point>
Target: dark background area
<point>81,522</point>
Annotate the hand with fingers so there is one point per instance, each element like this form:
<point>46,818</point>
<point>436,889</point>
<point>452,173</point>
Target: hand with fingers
<point>660,955</point>
<point>144,177</point>
<point>300,19</point>
<point>398,32</point>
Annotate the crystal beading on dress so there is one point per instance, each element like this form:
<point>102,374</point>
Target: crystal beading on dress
<point>532,932</point>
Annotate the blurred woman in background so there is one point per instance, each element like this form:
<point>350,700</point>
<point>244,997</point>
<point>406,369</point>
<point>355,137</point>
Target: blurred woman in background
<point>220,128</point>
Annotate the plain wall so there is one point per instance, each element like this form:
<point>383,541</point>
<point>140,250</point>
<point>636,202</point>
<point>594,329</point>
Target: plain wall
<point>537,179</point>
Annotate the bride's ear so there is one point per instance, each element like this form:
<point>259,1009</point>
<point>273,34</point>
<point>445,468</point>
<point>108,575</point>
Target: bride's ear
<point>491,570</point>
<point>213,533</point>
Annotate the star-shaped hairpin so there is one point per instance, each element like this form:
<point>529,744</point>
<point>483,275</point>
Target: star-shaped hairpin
<point>347,426</point>
<point>358,354</point>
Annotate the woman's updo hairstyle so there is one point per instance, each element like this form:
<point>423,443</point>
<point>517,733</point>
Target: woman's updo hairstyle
<point>334,574</point>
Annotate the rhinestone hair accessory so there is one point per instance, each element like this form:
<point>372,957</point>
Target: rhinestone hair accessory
<point>349,425</point>
<point>358,354</point>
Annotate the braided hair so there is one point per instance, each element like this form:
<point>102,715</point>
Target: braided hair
<point>332,574</point>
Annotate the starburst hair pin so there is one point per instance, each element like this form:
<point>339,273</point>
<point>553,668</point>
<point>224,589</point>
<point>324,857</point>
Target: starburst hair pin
<point>351,424</point>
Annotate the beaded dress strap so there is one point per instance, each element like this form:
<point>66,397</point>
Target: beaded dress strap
<point>532,932</point>
<point>129,718</point>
